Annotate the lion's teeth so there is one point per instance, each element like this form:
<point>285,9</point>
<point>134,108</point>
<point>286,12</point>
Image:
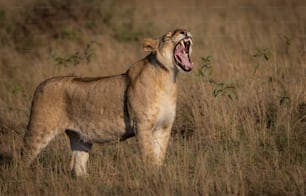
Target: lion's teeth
<point>182,43</point>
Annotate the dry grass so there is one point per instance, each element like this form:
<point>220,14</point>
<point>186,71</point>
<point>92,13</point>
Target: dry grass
<point>241,120</point>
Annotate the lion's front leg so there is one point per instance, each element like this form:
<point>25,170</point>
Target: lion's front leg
<point>161,137</point>
<point>152,143</point>
<point>145,143</point>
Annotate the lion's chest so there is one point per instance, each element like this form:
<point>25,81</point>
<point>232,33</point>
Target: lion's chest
<point>166,110</point>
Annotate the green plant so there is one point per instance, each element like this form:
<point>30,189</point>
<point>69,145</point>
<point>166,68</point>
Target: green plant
<point>225,89</point>
<point>71,59</point>
<point>89,51</point>
<point>16,88</point>
<point>206,70</point>
<point>69,33</point>
<point>284,99</point>
<point>75,58</point>
<point>288,41</point>
<point>261,53</point>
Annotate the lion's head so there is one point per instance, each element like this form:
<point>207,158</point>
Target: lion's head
<point>173,49</point>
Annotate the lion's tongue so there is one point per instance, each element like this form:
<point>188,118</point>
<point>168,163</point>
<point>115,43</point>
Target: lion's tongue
<point>182,56</point>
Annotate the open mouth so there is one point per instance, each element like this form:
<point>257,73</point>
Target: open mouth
<point>182,54</point>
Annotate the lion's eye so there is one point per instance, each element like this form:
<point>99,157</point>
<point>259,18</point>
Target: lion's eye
<point>184,33</point>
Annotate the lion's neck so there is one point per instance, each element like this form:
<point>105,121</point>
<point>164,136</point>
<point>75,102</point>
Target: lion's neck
<point>171,72</point>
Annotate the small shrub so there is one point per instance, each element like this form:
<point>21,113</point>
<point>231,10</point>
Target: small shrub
<point>75,58</point>
<point>226,88</point>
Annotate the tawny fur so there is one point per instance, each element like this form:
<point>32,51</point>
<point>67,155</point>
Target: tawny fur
<point>141,102</point>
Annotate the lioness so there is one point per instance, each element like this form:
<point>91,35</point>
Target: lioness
<point>140,102</point>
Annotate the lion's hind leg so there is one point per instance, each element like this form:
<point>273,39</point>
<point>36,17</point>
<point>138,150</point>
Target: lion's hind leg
<point>36,138</point>
<point>80,154</point>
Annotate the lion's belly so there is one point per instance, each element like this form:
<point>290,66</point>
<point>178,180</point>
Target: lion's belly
<point>99,128</point>
<point>97,110</point>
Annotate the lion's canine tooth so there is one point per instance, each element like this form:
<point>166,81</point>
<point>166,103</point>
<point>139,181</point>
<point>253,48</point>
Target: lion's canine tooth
<point>182,42</point>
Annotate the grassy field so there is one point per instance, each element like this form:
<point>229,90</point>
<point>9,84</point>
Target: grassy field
<point>241,118</point>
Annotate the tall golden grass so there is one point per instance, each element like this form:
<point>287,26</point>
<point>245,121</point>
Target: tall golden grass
<point>241,119</point>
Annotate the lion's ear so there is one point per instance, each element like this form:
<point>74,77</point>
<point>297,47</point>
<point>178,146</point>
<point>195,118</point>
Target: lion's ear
<point>150,45</point>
